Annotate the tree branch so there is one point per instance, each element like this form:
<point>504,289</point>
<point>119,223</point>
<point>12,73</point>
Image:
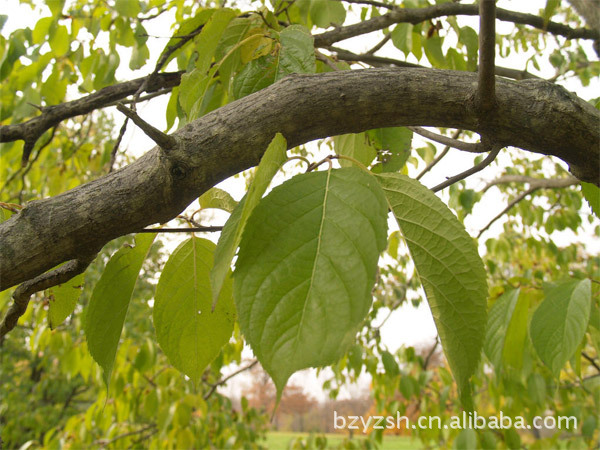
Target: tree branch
<point>158,186</point>
<point>214,387</point>
<point>23,293</point>
<point>450,142</point>
<point>486,91</point>
<point>163,140</point>
<point>438,158</point>
<point>418,15</point>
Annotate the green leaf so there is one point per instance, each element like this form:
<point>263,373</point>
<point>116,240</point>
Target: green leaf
<point>271,161</point>
<point>591,192</point>
<point>354,145</point>
<point>402,37</point>
<point>499,318</point>
<point>128,8</point>
<point>466,440</point>
<point>297,53</point>
<point>60,43</point>
<point>207,41</point>
<point>41,29</point>
<point>63,299</point>
<point>450,270</point>
<point>434,53</point>
<point>231,37</point>
<point>393,146</point>
<point>254,76</point>
<point>306,267</point>
<point>3,19</point>
<point>217,198</point>
<point>110,301</point>
<point>550,9</point>
<point>559,323</point>
<point>516,333</point>
<point>327,13</point>
<point>189,332</point>
<point>389,364</point>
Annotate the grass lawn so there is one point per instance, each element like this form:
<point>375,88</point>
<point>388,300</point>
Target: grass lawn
<point>279,440</point>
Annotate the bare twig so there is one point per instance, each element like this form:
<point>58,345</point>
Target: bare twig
<point>486,86</point>
<point>115,149</point>
<point>438,158</point>
<point>431,353</point>
<point>23,293</point>
<point>516,200</point>
<point>181,230</point>
<point>327,60</point>
<point>214,387</point>
<point>370,3</point>
<point>591,360</point>
<point>450,142</point>
<point>476,168</point>
<point>163,140</point>
<point>381,43</point>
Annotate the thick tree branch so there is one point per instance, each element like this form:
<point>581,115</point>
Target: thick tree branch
<point>418,15</point>
<point>159,185</point>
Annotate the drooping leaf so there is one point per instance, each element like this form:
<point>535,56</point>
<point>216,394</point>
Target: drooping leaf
<point>393,147</point>
<point>208,40</point>
<point>402,37</point>
<point>297,53</point>
<point>306,268</point>
<point>450,270</point>
<point>354,145</point>
<point>591,192</point>
<point>229,240</point>
<point>389,364</point>
<point>189,332</point>
<point>63,299</point>
<point>217,198</point>
<point>559,323</point>
<point>110,301</point>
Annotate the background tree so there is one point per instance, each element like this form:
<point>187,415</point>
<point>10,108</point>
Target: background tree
<point>248,86</point>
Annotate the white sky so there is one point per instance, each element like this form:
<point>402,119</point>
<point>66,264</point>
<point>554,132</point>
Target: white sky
<point>407,325</point>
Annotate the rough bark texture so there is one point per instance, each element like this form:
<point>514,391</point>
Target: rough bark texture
<point>531,114</point>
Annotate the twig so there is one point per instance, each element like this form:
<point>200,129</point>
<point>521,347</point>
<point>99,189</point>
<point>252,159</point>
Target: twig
<point>23,293</point>
<point>163,140</point>
<point>370,3</point>
<point>591,360</point>
<point>321,57</point>
<point>476,168</point>
<point>430,354</point>
<point>113,152</point>
<point>516,200</point>
<point>106,442</point>
<point>381,43</point>
<point>450,142</point>
<point>214,387</point>
<point>438,158</point>
<point>486,86</point>
<point>181,230</point>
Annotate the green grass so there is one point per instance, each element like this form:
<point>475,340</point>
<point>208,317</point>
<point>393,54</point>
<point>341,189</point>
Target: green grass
<point>279,440</point>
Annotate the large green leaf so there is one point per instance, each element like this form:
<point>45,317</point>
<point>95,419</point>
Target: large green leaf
<point>306,267</point>
<point>393,146</point>
<point>63,299</point>
<point>591,192</point>
<point>559,323</point>
<point>450,270</point>
<point>325,13</point>
<point>110,301</point>
<point>354,145</point>
<point>271,161</point>
<point>254,76</point>
<point>188,330</point>
<point>208,40</point>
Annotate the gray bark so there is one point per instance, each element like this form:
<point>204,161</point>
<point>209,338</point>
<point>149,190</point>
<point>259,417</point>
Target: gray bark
<point>531,114</point>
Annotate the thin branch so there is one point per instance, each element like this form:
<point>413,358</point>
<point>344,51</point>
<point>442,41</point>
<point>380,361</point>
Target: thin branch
<point>113,152</point>
<point>380,61</point>
<point>381,43</point>
<point>163,140</point>
<point>370,3</point>
<point>142,98</point>
<point>450,142</point>
<point>418,15</point>
<point>534,185</point>
<point>591,360</point>
<point>23,293</point>
<point>438,158</point>
<point>327,60</point>
<point>181,230</point>
<point>214,387</point>
<point>486,86</point>
<point>467,173</point>
<point>430,354</point>
<point>106,442</point>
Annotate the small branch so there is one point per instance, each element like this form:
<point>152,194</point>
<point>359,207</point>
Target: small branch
<point>370,3</point>
<point>516,200</point>
<point>477,168</point>
<point>450,142</point>
<point>113,152</point>
<point>214,387</point>
<point>438,158</point>
<point>381,43</point>
<point>321,57</point>
<point>23,293</point>
<point>430,354</point>
<point>591,360</point>
<point>163,140</point>
<point>107,442</point>
<point>181,230</point>
<point>486,86</point>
